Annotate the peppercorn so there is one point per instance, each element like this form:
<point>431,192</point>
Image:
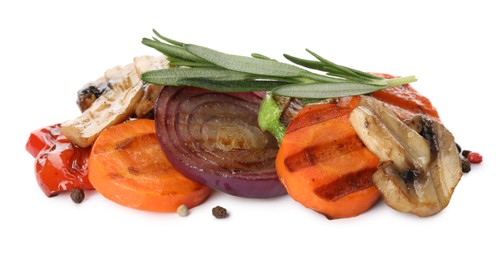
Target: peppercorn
<point>474,157</point>
<point>465,153</point>
<point>459,148</point>
<point>219,212</point>
<point>182,210</point>
<point>77,195</point>
<point>465,166</point>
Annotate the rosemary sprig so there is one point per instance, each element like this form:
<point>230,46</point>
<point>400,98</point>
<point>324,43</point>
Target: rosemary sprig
<point>207,68</point>
<point>210,69</point>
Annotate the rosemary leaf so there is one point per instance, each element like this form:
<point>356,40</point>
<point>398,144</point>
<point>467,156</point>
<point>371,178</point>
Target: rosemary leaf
<point>176,61</point>
<point>307,101</point>
<point>343,69</point>
<point>312,64</point>
<point>175,75</point>
<point>260,56</point>
<point>244,64</point>
<point>335,71</point>
<point>177,43</point>
<point>233,85</point>
<point>325,90</point>
<point>171,50</point>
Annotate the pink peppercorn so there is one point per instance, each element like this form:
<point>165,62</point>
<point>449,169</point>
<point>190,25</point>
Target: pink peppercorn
<point>474,157</point>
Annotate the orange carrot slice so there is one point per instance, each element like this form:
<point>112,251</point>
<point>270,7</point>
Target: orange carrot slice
<point>127,166</point>
<point>324,165</point>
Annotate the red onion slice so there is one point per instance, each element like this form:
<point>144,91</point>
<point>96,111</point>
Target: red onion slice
<point>213,138</point>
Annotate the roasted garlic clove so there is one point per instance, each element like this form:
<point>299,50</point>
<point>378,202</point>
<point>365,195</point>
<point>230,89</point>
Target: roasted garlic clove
<point>420,165</point>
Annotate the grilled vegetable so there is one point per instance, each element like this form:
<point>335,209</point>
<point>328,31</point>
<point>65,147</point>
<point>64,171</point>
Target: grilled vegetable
<point>89,93</point>
<point>213,138</point>
<point>59,164</point>
<point>146,104</point>
<point>127,166</point>
<point>113,107</point>
<point>324,165</point>
<point>420,166</point>
<point>123,98</point>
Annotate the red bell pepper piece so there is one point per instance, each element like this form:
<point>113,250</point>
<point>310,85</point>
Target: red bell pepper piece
<point>59,164</point>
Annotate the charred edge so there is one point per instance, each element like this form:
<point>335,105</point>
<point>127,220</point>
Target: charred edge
<point>290,111</point>
<point>133,170</point>
<point>91,90</point>
<point>345,185</point>
<point>317,116</point>
<point>135,140</point>
<point>428,134</point>
<point>124,144</point>
<point>312,155</point>
<point>409,177</point>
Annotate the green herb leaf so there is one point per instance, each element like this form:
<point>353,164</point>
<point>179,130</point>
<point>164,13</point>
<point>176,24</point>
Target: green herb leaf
<point>260,56</point>
<point>176,61</point>
<point>307,101</point>
<point>343,71</point>
<point>325,90</point>
<point>175,75</point>
<point>171,50</point>
<point>244,64</point>
<point>232,86</point>
<point>400,80</point>
<point>312,64</point>
<point>177,43</point>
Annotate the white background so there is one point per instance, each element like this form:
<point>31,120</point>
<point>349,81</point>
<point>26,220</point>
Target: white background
<point>49,49</point>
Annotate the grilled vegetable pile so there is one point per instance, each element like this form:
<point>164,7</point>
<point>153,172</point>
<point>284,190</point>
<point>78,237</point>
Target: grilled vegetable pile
<point>163,133</point>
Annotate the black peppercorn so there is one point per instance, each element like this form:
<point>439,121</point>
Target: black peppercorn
<point>465,166</point>
<point>77,195</point>
<point>219,212</point>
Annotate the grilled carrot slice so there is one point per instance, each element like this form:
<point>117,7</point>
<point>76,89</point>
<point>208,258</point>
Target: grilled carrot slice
<point>127,166</point>
<point>324,165</point>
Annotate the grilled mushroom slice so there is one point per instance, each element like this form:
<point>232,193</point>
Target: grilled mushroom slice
<point>420,165</point>
<point>113,107</point>
<point>113,99</point>
<point>151,91</point>
<point>90,92</point>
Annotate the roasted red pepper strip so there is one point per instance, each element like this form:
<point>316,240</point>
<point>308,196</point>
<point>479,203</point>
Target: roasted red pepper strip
<point>59,165</point>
